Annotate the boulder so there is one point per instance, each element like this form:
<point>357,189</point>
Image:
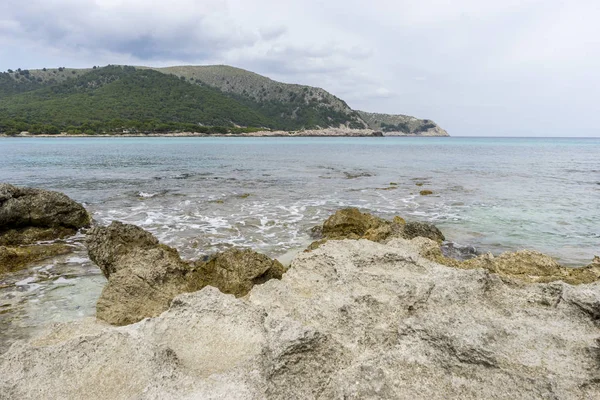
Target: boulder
<point>353,319</point>
<point>110,247</point>
<point>350,223</point>
<point>235,271</point>
<point>28,216</point>
<point>422,229</point>
<point>145,275</point>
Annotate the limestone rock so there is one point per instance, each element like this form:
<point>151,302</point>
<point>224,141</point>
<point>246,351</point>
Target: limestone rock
<point>15,258</point>
<point>525,265</point>
<point>236,271</point>
<point>350,223</point>
<point>108,245</point>
<point>144,275</point>
<point>28,215</point>
<point>353,319</point>
<point>422,229</point>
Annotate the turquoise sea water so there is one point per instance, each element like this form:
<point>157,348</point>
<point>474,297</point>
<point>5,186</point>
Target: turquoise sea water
<point>205,194</point>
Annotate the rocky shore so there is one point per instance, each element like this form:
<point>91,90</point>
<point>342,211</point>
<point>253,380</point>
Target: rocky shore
<point>372,309</point>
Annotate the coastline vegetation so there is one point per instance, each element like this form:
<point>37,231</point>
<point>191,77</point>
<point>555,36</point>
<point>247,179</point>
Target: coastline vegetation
<point>123,99</point>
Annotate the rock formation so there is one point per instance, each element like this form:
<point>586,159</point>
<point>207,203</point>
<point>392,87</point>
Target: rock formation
<point>525,265</point>
<point>30,215</point>
<point>350,223</point>
<point>144,275</point>
<point>353,319</point>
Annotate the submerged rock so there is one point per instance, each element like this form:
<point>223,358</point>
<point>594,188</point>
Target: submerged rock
<point>15,258</point>
<point>28,216</point>
<point>144,275</point>
<point>352,319</point>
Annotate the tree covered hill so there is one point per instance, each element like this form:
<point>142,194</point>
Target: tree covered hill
<point>186,98</point>
<point>113,98</point>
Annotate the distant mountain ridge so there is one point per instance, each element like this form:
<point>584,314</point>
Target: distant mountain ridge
<point>116,98</point>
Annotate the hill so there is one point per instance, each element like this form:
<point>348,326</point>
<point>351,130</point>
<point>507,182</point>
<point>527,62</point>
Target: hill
<point>189,98</point>
<point>401,123</point>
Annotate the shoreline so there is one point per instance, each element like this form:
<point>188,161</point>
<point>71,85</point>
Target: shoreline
<point>332,132</point>
<point>343,308</point>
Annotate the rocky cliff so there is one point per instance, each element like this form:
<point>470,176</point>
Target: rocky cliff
<point>352,319</point>
<point>401,125</point>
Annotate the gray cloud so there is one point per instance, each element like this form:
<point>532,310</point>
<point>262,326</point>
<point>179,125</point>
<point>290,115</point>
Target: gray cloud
<point>509,67</point>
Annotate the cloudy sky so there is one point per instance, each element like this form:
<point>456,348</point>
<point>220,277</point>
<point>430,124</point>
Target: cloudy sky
<point>477,67</point>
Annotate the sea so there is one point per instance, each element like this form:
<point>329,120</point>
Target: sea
<point>203,195</point>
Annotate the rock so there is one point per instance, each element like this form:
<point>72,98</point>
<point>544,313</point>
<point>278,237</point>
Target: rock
<point>399,220</point>
<point>235,271</point>
<point>425,192</point>
<point>31,235</point>
<point>533,266</point>
<point>350,223</point>
<point>108,245</point>
<point>422,229</point>
<point>15,258</point>
<point>357,174</point>
<point>28,215</point>
<point>144,275</point>
<point>524,266</point>
<point>353,319</point>
<point>316,232</point>
<point>377,134</point>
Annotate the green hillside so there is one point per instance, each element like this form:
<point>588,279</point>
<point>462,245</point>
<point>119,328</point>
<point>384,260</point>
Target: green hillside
<point>282,101</point>
<point>207,99</point>
<point>116,98</point>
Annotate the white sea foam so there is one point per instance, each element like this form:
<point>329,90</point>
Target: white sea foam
<point>26,282</point>
<point>147,195</point>
<point>77,260</point>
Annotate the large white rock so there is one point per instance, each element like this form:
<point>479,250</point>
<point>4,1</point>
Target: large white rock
<point>350,320</point>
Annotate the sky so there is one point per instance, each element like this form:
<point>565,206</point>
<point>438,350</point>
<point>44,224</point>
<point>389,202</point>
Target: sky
<point>476,67</point>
